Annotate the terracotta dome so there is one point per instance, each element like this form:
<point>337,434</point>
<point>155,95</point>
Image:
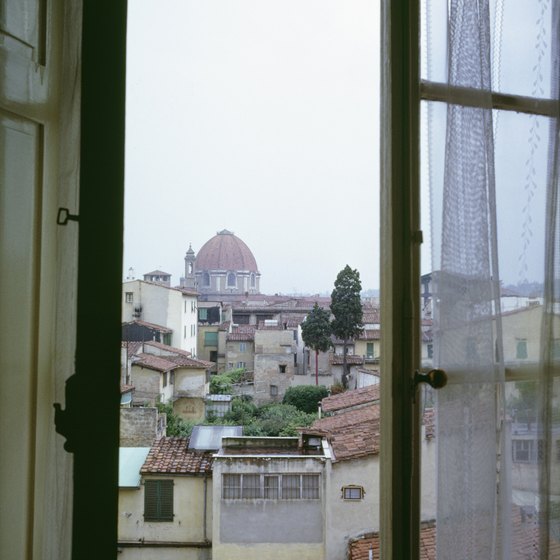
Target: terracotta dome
<point>225,251</point>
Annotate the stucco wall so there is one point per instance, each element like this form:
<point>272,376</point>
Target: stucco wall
<point>190,408</point>
<point>147,383</point>
<point>188,508</point>
<point>254,529</point>
<point>347,519</point>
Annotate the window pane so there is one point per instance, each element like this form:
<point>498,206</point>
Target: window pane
<point>310,486</point>
<point>515,25</point>
<point>290,486</point>
<point>271,487</point>
<point>251,486</point>
<point>231,488</point>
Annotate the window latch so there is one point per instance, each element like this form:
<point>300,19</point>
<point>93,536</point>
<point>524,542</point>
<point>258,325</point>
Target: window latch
<point>435,378</point>
<point>64,216</point>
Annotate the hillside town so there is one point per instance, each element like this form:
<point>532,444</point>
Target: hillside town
<point>196,352</point>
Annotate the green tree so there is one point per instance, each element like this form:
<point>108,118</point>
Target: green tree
<point>316,332</point>
<point>346,307</point>
<point>176,426</point>
<point>305,397</point>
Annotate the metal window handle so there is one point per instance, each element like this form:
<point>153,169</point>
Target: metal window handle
<point>435,378</point>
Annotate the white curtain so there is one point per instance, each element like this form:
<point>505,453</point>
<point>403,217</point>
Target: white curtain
<point>493,180</point>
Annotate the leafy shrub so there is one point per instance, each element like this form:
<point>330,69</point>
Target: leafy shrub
<point>176,426</point>
<point>222,384</point>
<point>305,397</point>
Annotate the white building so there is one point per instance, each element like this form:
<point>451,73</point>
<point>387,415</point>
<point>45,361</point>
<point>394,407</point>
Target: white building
<point>174,308</point>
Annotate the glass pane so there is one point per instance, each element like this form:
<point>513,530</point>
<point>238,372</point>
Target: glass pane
<point>290,486</point>
<point>514,25</point>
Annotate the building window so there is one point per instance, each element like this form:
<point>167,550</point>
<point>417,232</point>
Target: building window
<point>202,314</point>
<point>171,377</point>
<point>167,339</point>
<point>231,280</point>
<point>253,280</point>
<point>185,306</point>
<point>129,297</point>
<point>231,486</point>
<point>430,349</point>
<point>521,349</point>
<point>274,390</point>
<point>251,487</point>
<point>369,350</point>
<point>271,489</point>
<point>164,378</point>
<point>193,330</point>
<point>185,331</point>
<point>158,500</point>
<point>243,347</point>
<point>270,486</point>
<point>282,368</point>
<point>241,365</point>
<point>527,450</point>
<point>210,339</point>
<point>352,492</point>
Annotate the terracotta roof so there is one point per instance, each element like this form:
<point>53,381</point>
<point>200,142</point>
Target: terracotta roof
<point>157,363</point>
<point>349,399</point>
<point>370,334</point>
<point>338,360</point>
<point>170,455</point>
<point>358,549</point>
<point>132,346</point>
<point>186,362</point>
<point>244,329</point>
<point>352,434</point>
<point>126,388</point>
<point>166,348</point>
<point>225,251</point>
<point>370,317</point>
<point>153,326</point>
<point>241,336</point>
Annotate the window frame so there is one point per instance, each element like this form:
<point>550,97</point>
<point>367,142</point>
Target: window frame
<point>286,487</point>
<point>349,489</point>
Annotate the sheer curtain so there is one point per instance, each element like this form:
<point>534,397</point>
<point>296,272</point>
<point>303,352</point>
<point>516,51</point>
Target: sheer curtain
<point>490,116</point>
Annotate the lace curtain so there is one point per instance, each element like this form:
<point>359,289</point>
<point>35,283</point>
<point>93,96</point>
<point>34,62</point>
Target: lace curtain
<point>493,180</point>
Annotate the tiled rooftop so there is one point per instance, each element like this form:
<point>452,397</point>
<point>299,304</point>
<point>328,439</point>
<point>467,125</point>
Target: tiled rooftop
<point>153,326</point>
<point>338,360</point>
<point>155,363</point>
<point>166,348</point>
<point>349,399</point>
<point>358,549</point>
<point>241,336</point>
<point>353,433</point>
<point>370,334</point>
<point>170,455</point>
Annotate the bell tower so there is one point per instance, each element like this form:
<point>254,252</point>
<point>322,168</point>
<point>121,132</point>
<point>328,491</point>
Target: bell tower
<point>190,259</point>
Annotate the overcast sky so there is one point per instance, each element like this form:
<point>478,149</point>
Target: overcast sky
<point>261,117</point>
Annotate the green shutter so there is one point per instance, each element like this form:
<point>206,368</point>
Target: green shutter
<point>158,500</point>
<point>210,339</point>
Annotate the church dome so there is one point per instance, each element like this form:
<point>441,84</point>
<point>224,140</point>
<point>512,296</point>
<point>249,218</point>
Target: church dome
<point>225,251</point>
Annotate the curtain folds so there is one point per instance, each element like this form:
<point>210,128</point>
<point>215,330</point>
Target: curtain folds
<point>498,436</point>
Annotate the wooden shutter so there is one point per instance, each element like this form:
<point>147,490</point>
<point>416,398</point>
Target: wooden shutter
<point>158,500</point>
